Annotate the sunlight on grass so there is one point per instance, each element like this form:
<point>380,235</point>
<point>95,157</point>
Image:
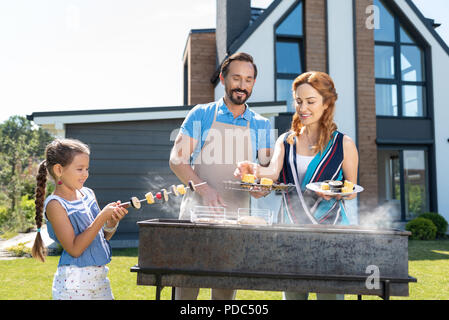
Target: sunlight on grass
<point>28,279</point>
<point>441,252</point>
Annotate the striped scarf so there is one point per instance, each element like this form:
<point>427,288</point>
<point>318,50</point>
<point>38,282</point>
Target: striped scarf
<point>304,207</point>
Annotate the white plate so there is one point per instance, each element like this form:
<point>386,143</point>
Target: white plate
<point>316,186</point>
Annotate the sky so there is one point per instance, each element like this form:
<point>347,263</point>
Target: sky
<point>94,54</point>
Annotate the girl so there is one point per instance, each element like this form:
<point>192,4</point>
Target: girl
<point>76,222</point>
<point>312,151</point>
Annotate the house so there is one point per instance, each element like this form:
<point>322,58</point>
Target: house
<point>389,67</point>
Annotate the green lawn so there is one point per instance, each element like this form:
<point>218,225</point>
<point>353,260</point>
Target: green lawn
<point>29,279</point>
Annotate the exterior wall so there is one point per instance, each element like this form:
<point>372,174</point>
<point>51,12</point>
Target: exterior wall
<point>260,44</point>
<point>130,159</point>
<point>440,70</point>
<point>315,35</point>
<point>366,108</point>
<point>200,56</point>
<point>341,44</point>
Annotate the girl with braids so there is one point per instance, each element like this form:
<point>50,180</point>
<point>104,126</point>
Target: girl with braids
<point>75,220</point>
<point>312,151</point>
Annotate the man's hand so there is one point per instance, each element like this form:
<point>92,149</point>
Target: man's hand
<point>210,196</point>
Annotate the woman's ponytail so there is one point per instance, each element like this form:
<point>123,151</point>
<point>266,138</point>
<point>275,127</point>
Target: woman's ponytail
<point>39,251</point>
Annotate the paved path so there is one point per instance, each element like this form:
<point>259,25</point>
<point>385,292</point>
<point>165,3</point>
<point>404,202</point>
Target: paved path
<point>27,238</point>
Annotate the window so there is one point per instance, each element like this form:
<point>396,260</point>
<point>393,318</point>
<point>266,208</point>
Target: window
<point>399,69</point>
<point>403,182</point>
<point>289,53</point>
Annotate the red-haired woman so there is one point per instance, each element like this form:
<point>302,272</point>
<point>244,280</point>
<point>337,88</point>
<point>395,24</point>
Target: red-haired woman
<point>312,151</point>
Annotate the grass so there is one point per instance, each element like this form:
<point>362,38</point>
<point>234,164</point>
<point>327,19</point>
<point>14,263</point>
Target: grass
<point>29,279</point>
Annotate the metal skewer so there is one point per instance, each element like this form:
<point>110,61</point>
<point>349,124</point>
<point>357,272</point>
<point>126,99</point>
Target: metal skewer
<point>128,203</point>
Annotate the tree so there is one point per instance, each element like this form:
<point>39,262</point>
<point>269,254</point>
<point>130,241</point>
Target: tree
<point>21,146</point>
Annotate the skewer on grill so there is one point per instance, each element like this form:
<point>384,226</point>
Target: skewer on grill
<point>163,194</point>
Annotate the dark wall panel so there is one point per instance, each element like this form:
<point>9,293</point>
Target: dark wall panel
<point>130,159</point>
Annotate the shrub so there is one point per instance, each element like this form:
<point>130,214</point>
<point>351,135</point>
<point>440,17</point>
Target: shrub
<point>421,229</point>
<point>20,250</point>
<point>4,215</point>
<point>28,211</point>
<point>438,221</point>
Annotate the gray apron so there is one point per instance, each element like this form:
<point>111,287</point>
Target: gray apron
<point>225,146</point>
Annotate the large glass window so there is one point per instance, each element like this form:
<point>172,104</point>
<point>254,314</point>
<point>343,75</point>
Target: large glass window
<point>399,67</point>
<point>289,53</point>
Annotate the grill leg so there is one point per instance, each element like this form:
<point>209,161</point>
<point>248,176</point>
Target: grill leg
<point>158,286</point>
<point>386,290</point>
<point>173,293</point>
<point>359,297</point>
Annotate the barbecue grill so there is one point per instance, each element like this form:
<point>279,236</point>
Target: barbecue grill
<point>302,258</point>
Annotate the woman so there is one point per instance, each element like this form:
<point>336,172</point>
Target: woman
<point>312,151</point>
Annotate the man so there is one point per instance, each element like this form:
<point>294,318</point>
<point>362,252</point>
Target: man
<point>214,137</point>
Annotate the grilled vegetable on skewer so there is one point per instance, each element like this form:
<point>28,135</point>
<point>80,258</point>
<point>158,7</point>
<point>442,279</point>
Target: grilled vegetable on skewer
<point>149,197</point>
<point>174,190</point>
<point>181,189</point>
<point>163,194</point>
<point>135,202</point>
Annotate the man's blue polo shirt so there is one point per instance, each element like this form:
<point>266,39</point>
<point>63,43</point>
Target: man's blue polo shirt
<point>199,120</point>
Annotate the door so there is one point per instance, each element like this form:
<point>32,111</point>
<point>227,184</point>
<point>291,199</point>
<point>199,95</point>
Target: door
<point>403,181</point>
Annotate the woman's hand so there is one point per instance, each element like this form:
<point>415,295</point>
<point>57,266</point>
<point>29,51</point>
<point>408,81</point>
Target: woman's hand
<point>336,196</point>
<point>259,194</point>
<point>245,167</point>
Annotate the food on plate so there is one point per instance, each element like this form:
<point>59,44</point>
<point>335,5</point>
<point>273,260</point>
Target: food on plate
<point>150,198</point>
<point>266,182</point>
<point>335,185</point>
<point>325,186</point>
<point>249,178</point>
<point>214,221</point>
<point>346,190</point>
<point>348,184</point>
<point>252,220</point>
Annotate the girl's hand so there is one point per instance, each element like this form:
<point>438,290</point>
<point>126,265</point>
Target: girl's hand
<point>108,210</point>
<point>117,214</point>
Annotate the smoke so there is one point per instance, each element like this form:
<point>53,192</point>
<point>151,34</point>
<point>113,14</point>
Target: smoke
<point>155,184</point>
<point>381,217</point>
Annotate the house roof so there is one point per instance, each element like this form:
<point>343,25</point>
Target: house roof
<point>136,114</point>
<point>429,23</point>
<point>253,27</point>
<point>264,14</point>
